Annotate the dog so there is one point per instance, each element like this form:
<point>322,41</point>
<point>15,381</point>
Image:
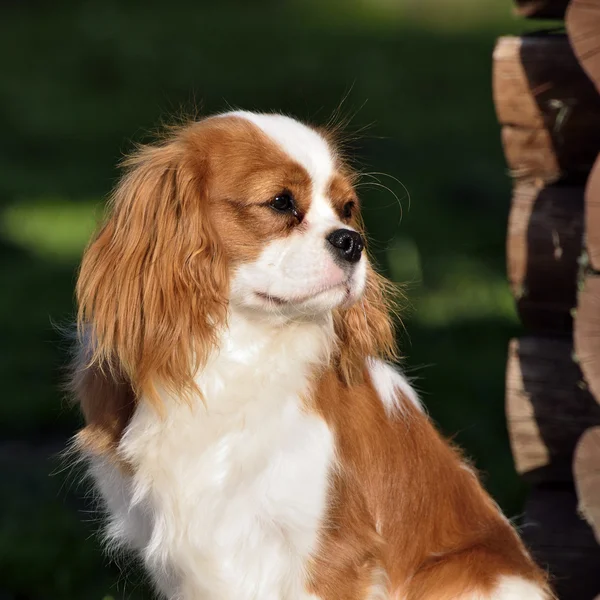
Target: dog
<point>245,429</point>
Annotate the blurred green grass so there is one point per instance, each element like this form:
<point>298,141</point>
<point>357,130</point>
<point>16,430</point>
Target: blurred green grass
<point>25,224</point>
<point>82,80</point>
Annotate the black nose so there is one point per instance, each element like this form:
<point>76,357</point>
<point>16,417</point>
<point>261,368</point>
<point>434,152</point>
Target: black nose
<point>348,244</point>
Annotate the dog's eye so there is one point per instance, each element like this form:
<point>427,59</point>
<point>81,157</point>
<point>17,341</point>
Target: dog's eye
<point>283,202</point>
<point>348,210</point>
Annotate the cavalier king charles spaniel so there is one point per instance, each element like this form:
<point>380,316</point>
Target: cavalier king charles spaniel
<point>246,432</point>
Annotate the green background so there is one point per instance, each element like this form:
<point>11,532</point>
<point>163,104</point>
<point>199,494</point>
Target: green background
<point>81,81</point>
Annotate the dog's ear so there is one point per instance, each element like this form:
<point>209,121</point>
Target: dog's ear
<point>366,328</point>
<point>152,288</point>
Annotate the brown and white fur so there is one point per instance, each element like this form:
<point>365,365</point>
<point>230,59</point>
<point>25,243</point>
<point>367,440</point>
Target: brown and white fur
<point>244,430</point>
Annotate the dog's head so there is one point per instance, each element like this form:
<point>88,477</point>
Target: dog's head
<point>242,211</point>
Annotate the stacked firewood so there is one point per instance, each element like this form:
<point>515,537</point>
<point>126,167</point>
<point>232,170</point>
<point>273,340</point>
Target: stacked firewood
<point>546,91</point>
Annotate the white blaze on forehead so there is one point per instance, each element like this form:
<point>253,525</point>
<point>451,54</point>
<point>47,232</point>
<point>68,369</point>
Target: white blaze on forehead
<point>309,149</point>
<point>301,143</point>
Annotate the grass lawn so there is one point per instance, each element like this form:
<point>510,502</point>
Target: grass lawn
<point>82,80</point>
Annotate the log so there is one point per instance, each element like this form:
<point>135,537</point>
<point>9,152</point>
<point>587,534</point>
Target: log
<point>587,333</point>
<point>562,542</point>
<point>530,154</point>
<point>533,76</point>
<point>586,468</point>
<point>547,408</point>
<point>583,28</point>
<point>541,9</point>
<point>544,244</point>
<point>549,108</point>
<point>592,216</point>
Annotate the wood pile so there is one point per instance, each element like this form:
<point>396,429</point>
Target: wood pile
<point>547,95</point>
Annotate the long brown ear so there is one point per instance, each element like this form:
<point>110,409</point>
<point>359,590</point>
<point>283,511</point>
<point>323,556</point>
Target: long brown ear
<point>107,402</point>
<point>152,284</point>
<point>366,329</point>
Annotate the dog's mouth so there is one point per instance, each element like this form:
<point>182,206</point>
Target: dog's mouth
<point>296,300</point>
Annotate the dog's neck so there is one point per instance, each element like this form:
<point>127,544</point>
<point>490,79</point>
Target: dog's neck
<point>254,340</point>
<point>255,354</point>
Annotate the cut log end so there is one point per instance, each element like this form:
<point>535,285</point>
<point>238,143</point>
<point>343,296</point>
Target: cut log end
<point>587,333</point>
<point>583,27</point>
<point>592,216</point>
<point>548,106</point>
<point>544,243</point>
<point>586,467</point>
<point>547,409</point>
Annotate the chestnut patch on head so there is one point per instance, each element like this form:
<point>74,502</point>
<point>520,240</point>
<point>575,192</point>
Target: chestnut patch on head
<point>258,193</point>
<point>343,197</point>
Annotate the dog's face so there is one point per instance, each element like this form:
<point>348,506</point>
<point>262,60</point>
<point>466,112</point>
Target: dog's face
<point>286,212</point>
<point>241,211</point>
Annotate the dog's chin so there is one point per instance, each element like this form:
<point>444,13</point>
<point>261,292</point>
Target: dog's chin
<point>299,304</point>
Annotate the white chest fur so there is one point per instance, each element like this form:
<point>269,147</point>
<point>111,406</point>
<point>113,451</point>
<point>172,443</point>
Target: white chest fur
<point>227,499</point>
